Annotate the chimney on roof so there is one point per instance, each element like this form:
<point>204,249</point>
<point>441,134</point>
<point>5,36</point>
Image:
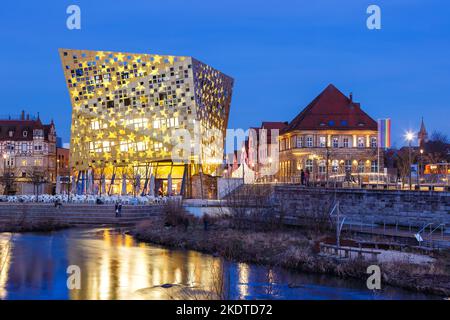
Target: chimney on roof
<point>351,96</point>
<point>22,116</point>
<point>28,116</point>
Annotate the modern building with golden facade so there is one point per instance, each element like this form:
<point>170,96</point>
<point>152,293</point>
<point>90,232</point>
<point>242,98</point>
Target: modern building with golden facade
<point>331,139</point>
<point>128,111</point>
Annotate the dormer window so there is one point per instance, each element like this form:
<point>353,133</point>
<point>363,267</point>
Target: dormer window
<point>25,134</point>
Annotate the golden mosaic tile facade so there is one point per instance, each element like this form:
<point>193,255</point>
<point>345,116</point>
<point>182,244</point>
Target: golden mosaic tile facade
<point>126,107</point>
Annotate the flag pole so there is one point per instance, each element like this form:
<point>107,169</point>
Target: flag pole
<point>378,153</point>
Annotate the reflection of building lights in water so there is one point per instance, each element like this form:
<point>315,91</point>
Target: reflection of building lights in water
<point>191,274</point>
<point>105,276</point>
<point>106,236</point>
<point>115,266</point>
<point>5,261</point>
<point>178,279</point>
<point>270,282</point>
<point>243,279</point>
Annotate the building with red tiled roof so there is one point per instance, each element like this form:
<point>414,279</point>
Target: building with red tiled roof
<point>331,137</point>
<point>28,151</point>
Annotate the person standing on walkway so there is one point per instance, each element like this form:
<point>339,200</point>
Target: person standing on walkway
<point>118,209</point>
<point>302,177</point>
<point>307,177</point>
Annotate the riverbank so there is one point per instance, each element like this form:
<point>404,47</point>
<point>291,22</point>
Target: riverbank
<point>292,249</point>
<point>33,226</point>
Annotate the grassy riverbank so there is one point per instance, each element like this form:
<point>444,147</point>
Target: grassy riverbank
<point>293,249</point>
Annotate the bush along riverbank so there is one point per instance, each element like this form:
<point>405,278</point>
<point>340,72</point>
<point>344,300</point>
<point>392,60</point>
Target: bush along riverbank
<point>289,248</point>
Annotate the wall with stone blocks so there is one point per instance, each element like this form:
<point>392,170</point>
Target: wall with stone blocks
<point>379,206</point>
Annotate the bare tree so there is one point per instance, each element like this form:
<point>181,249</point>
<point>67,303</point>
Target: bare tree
<point>8,182</point>
<point>132,176</point>
<point>402,163</point>
<point>37,178</point>
<point>250,205</point>
<point>437,148</point>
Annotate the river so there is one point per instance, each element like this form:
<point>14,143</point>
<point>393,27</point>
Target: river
<point>113,265</point>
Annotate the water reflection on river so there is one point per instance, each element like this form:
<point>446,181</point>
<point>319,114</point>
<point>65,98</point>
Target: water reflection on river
<point>114,266</point>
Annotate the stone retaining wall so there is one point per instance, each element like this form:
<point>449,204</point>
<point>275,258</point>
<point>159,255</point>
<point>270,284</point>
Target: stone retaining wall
<point>380,206</point>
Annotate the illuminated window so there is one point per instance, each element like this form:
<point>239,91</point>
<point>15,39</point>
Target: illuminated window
<point>137,123</point>
<point>334,166</point>
<point>172,122</point>
<point>309,165</point>
<point>141,146</point>
<point>322,166</point>
<point>348,165</point>
<point>107,146</point>
<point>335,142</point>
<point>124,146</point>
<point>309,142</point>
<point>95,125</point>
<point>373,142</point>
<point>361,142</point>
<point>299,142</point>
<point>360,166</point>
<point>157,146</point>
<point>322,142</point>
<point>345,142</point>
<point>374,166</point>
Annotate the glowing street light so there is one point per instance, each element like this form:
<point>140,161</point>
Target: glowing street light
<point>409,136</point>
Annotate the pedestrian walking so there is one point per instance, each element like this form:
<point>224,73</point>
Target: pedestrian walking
<point>302,177</point>
<point>307,177</point>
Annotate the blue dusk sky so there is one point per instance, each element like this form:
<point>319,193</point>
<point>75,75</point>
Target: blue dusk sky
<point>280,53</point>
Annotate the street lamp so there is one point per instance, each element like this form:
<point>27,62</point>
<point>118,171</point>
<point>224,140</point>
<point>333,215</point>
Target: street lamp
<point>7,174</point>
<point>409,136</point>
<point>420,167</point>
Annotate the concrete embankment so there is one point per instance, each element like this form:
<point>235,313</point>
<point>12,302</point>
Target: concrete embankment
<point>75,214</point>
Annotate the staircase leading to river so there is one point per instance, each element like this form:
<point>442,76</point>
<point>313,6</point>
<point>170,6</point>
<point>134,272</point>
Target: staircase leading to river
<point>76,214</point>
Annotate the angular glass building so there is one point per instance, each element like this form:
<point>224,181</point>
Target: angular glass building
<point>130,114</point>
